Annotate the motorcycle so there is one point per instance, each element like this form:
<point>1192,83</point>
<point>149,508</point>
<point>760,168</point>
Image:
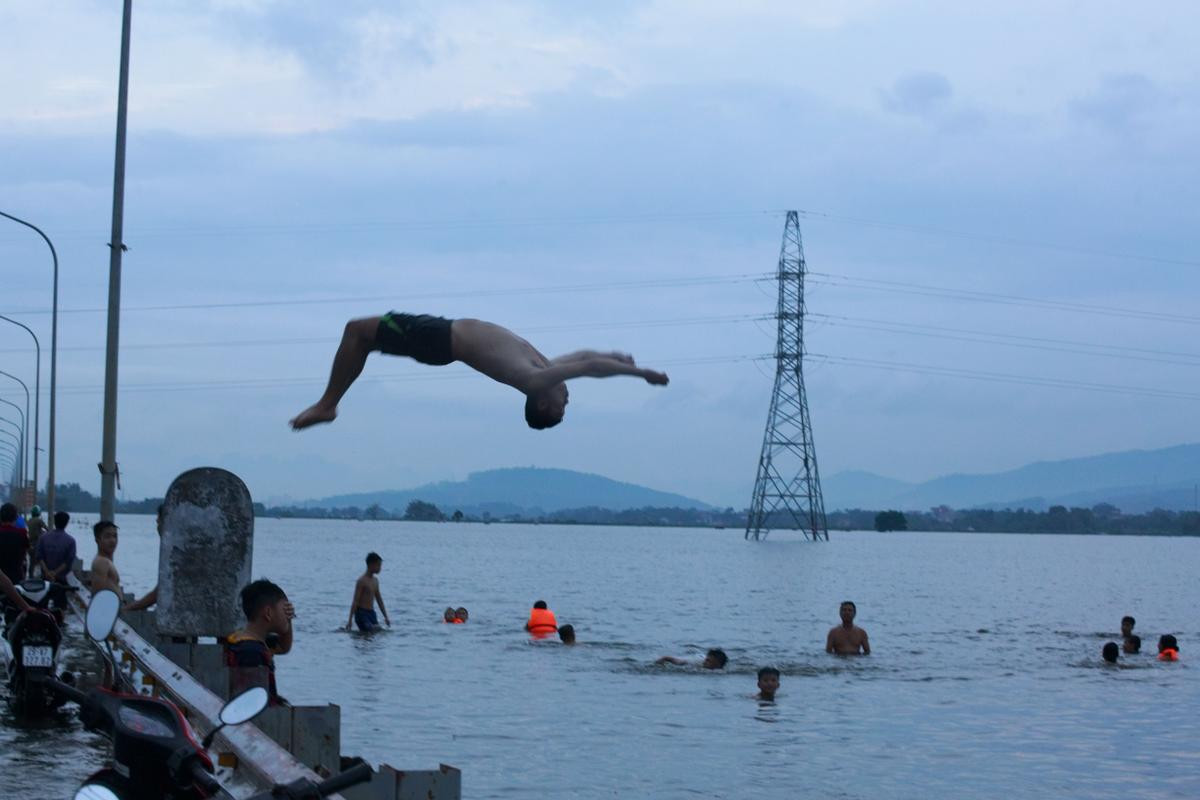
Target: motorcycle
<point>31,643</point>
<point>155,754</point>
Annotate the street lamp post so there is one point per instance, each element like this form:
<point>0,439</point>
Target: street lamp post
<point>53,365</point>
<point>37,398</point>
<point>26,388</point>
<point>24,432</point>
<point>20,434</point>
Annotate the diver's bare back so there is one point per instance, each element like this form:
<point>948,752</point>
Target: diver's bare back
<point>496,351</point>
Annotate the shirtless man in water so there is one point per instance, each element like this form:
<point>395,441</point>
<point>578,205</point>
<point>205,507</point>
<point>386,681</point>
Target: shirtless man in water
<point>366,594</point>
<point>847,639</point>
<point>104,571</point>
<point>495,351</point>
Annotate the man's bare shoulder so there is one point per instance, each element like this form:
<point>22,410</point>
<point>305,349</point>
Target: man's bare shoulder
<point>102,563</point>
<point>495,351</point>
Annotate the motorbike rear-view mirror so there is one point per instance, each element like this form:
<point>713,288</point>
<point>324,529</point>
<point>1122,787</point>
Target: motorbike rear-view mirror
<point>102,614</point>
<point>94,791</point>
<point>243,708</point>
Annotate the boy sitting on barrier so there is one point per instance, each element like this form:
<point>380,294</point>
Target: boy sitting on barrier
<point>249,656</point>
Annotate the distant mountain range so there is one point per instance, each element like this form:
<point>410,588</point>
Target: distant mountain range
<point>528,491</point>
<point>1134,481</point>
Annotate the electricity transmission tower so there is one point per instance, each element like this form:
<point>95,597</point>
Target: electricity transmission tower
<point>787,490</point>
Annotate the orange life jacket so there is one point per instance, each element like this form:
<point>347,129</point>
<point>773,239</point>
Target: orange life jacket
<point>1170,654</point>
<point>541,622</point>
<point>457,621</point>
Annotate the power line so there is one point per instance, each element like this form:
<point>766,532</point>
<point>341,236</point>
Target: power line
<point>1003,377</point>
<point>243,229</point>
<point>1009,340</point>
<point>993,239</point>
<point>945,292</point>
<point>604,325</point>
<point>440,375</point>
<point>711,280</point>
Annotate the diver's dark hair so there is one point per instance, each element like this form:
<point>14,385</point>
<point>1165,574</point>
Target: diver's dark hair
<point>373,557</point>
<point>538,420</point>
<point>102,525</point>
<point>258,595</point>
<point>567,633</point>
<point>540,604</point>
<point>1130,620</point>
<point>1110,652</point>
<point>1135,643</point>
<point>718,654</point>
<point>61,518</point>
<point>8,513</point>
<point>765,671</point>
<point>1167,641</point>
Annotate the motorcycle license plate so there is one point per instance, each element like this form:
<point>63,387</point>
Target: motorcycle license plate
<point>37,657</point>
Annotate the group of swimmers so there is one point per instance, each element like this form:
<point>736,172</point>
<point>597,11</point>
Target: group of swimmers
<point>1168,645</point>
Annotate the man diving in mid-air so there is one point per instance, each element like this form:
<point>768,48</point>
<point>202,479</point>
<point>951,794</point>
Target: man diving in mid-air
<point>485,347</point>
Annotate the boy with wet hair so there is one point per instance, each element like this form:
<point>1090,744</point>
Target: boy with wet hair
<point>566,634</point>
<point>768,683</point>
<point>104,571</point>
<point>249,657</point>
<point>1109,652</point>
<point>461,615</point>
<point>366,594</point>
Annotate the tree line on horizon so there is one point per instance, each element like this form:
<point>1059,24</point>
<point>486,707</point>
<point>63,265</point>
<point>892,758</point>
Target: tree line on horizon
<point>1099,519</point>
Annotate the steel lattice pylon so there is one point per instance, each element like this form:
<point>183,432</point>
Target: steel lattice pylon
<point>787,490</point>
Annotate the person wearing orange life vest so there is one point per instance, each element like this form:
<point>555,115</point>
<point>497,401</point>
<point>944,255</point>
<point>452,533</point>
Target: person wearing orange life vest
<point>461,615</point>
<point>541,622</point>
<point>448,616</point>
<point>1168,648</point>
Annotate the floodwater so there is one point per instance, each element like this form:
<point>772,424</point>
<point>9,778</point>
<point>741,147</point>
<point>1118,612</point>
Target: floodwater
<point>985,679</point>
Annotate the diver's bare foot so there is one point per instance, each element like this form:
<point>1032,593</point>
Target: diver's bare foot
<point>313,415</point>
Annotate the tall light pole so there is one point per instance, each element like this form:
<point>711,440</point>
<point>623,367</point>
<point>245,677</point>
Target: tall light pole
<point>26,388</point>
<point>108,450</point>
<point>53,365</point>
<point>24,432</point>
<point>37,398</point>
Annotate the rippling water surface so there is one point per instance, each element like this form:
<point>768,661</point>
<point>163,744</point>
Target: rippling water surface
<point>985,678</point>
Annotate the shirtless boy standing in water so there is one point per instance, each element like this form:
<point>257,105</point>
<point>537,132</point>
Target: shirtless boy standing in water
<point>485,347</point>
<point>366,593</point>
<point>847,639</point>
<point>104,571</point>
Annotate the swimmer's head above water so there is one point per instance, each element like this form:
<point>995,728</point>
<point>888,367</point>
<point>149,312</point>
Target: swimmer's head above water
<point>1127,624</point>
<point>461,614</point>
<point>847,611</point>
<point>715,659</point>
<point>448,614</point>
<point>768,683</point>
<point>1109,652</point>
<point>566,633</point>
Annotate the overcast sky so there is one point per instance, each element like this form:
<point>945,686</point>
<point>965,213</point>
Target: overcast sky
<point>572,174</point>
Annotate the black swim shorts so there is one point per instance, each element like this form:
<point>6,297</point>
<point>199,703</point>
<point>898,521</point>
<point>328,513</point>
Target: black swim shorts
<point>418,336</point>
